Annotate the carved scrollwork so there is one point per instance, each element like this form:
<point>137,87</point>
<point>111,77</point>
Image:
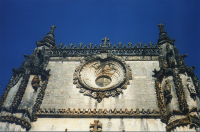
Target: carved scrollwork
<point>102,76</point>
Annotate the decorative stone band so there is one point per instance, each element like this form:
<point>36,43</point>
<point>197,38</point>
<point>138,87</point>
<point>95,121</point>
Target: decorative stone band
<point>126,58</point>
<point>180,93</point>
<point>160,100</point>
<point>117,51</point>
<point>20,92</point>
<point>97,113</point>
<point>14,119</point>
<point>193,121</point>
<point>39,99</point>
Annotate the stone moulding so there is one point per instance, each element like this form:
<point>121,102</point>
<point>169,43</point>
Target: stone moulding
<point>160,100</point>
<point>193,121</point>
<point>19,95</point>
<point>39,99</point>
<point>85,51</point>
<point>16,120</point>
<point>180,93</point>
<point>126,58</point>
<point>92,68</point>
<point>62,113</point>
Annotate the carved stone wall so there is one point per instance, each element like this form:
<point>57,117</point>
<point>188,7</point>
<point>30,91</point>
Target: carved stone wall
<point>61,93</point>
<point>108,124</point>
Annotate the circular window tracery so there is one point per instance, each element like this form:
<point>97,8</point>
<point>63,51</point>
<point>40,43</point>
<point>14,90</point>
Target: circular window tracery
<point>103,81</point>
<point>101,78</point>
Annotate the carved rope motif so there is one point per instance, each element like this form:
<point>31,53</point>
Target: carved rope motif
<point>160,100</point>
<point>180,93</point>
<point>14,119</point>
<point>20,92</point>
<point>39,99</point>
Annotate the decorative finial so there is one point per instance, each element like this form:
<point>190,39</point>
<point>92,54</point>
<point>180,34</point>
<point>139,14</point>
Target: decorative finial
<point>161,27</point>
<point>52,27</point>
<point>105,41</point>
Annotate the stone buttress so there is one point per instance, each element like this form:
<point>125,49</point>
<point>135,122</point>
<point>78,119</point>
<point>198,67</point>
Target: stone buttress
<point>177,87</point>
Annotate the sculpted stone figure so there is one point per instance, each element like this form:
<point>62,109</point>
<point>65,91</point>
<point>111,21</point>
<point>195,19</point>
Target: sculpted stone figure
<point>167,92</point>
<point>191,87</point>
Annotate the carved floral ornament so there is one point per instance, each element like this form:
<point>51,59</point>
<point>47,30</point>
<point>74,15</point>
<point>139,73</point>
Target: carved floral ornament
<point>102,76</point>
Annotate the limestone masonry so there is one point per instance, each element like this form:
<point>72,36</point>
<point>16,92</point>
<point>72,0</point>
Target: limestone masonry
<point>102,88</point>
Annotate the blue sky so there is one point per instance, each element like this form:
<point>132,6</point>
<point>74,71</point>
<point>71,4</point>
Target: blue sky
<point>23,22</point>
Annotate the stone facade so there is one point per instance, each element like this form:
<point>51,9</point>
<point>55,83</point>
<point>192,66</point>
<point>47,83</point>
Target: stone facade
<point>91,88</point>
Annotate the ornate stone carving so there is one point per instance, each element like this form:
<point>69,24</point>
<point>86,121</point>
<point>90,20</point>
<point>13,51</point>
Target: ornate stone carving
<point>191,87</point>
<point>101,77</point>
<point>35,82</point>
<point>167,92</point>
<point>39,99</point>
<point>16,120</point>
<point>98,113</point>
<point>96,126</point>
<point>20,92</point>
<point>179,90</point>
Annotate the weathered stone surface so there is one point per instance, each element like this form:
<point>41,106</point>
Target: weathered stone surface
<point>108,124</point>
<point>10,97</point>
<point>61,93</point>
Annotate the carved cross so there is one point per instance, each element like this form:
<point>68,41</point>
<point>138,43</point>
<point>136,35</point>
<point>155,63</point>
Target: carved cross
<point>105,41</point>
<point>52,27</point>
<point>161,27</point>
<point>96,126</point>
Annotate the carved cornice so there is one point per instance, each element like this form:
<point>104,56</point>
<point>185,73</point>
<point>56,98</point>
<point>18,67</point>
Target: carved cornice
<point>85,51</point>
<point>16,120</point>
<point>103,113</point>
<point>126,58</point>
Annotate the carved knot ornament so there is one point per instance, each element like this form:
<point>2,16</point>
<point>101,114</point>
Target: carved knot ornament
<point>102,76</point>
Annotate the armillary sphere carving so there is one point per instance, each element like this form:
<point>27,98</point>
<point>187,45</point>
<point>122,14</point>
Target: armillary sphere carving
<point>102,76</point>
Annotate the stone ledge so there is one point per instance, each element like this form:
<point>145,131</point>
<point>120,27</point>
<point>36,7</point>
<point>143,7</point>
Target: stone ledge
<point>97,113</point>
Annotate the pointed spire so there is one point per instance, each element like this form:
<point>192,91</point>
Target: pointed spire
<point>49,40</point>
<point>163,37</point>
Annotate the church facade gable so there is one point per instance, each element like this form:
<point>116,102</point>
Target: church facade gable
<point>90,88</point>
